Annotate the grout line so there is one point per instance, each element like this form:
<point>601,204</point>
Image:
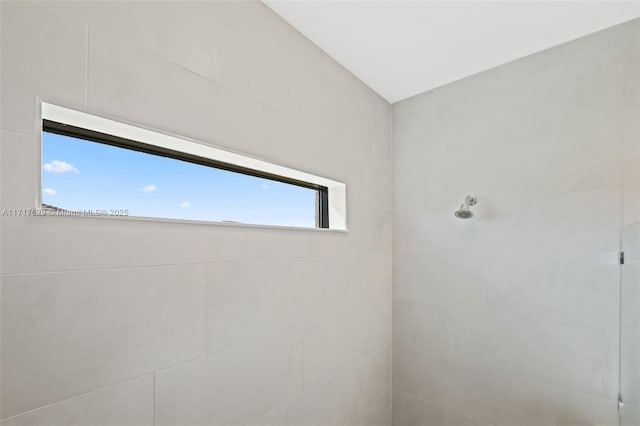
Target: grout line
<point>322,317</point>
<point>157,8</point>
<point>113,268</point>
<point>60,12</point>
<point>424,399</point>
<point>80,395</point>
<point>303,333</point>
<point>511,373</point>
<point>376,401</point>
<point>154,399</point>
<point>322,382</point>
<point>601,87</point>
<point>206,310</point>
<point>235,91</point>
<point>86,66</point>
<point>256,340</point>
<point>164,265</point>
<point>31,135</point>
<point>198,358</point>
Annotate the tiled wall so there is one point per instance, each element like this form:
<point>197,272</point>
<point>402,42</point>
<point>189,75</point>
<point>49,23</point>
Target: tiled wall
<point>630,326</point>
<point>511,318</point>
<point>116,322</point>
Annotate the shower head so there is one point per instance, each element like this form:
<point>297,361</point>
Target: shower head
<point>464,213</point>
<point>465,209</point>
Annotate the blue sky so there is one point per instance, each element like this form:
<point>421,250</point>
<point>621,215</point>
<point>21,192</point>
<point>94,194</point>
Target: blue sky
<point>83,175</point>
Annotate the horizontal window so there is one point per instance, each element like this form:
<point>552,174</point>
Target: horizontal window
<point>97,166</point>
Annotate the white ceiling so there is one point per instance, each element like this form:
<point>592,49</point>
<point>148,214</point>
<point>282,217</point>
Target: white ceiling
<point>402,48</point>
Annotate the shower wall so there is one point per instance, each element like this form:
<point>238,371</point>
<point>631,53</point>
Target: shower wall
<point>511,318</point>
<point>123,322</point>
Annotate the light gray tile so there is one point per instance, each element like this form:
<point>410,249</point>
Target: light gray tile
<point>369,234</point>
<point>564,95</point>
<point>354,280</point>
<point>378,413</point>
<point>331,403</point>
<point>374,378</point>
<point>231,387</point>
<point>248,48</point>
<point>91,243</point>
<point>275,243</point>
<point>43,54</point>
<point>488,396</point>
<point>632,412</point>
<point>252,300</point>
<point>409,370</point>
<point>126,404</point>
<point>493,397</point>
<point>631,206</point>
<point>132,84</point>
<point>19,168</point>
<point>621,79</point>
<point>233,43</point>
<point>586,410</point>
<point>335,342</point>
<point>476,300</point>
<point>425,326</point>
<point>409,410</point>
<point>575,357</point>
<point>626,130</point>
<point>443,278</point>
<point>64,334</point>
<point>189,35</point>
<point>594,231</point>
<point>73,8</point>
<point>133,21</point>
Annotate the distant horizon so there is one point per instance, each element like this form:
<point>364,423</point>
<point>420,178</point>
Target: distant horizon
<point>83,175</point>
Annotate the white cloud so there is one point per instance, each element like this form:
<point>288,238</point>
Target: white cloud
<point>149,188</point>
<point>57,166</point>
<point>185,204</point>
<point>49,191</point>
<point>264,186</point>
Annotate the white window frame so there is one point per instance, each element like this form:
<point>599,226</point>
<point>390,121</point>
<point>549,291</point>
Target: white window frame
<point>336,190</point>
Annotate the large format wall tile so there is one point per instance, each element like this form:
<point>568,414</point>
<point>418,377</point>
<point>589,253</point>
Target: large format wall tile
<point>537,102</point>
<point>512,317</point>
<point>239,46</point>
<point>230,74</point>
<point>134,21</point>
<point>247,301</point>
<point>126,404</point>
<point>231,387</point>
<point>492,397</point>
<point>65,334</point>
<point>225,42</point>
<point>378,413</point>
<point>105,243</point>
<point>374,379</point>
<point>44,53</point>
<point>267,244</point>
<point>18,171</point>
<point>333,343</point>
<point>132,84</point>
<point>333,402</point>
<point>409,410</point>
<point>620,71</point>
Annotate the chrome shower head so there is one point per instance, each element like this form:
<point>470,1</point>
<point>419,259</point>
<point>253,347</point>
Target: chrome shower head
<point>465,209</point>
